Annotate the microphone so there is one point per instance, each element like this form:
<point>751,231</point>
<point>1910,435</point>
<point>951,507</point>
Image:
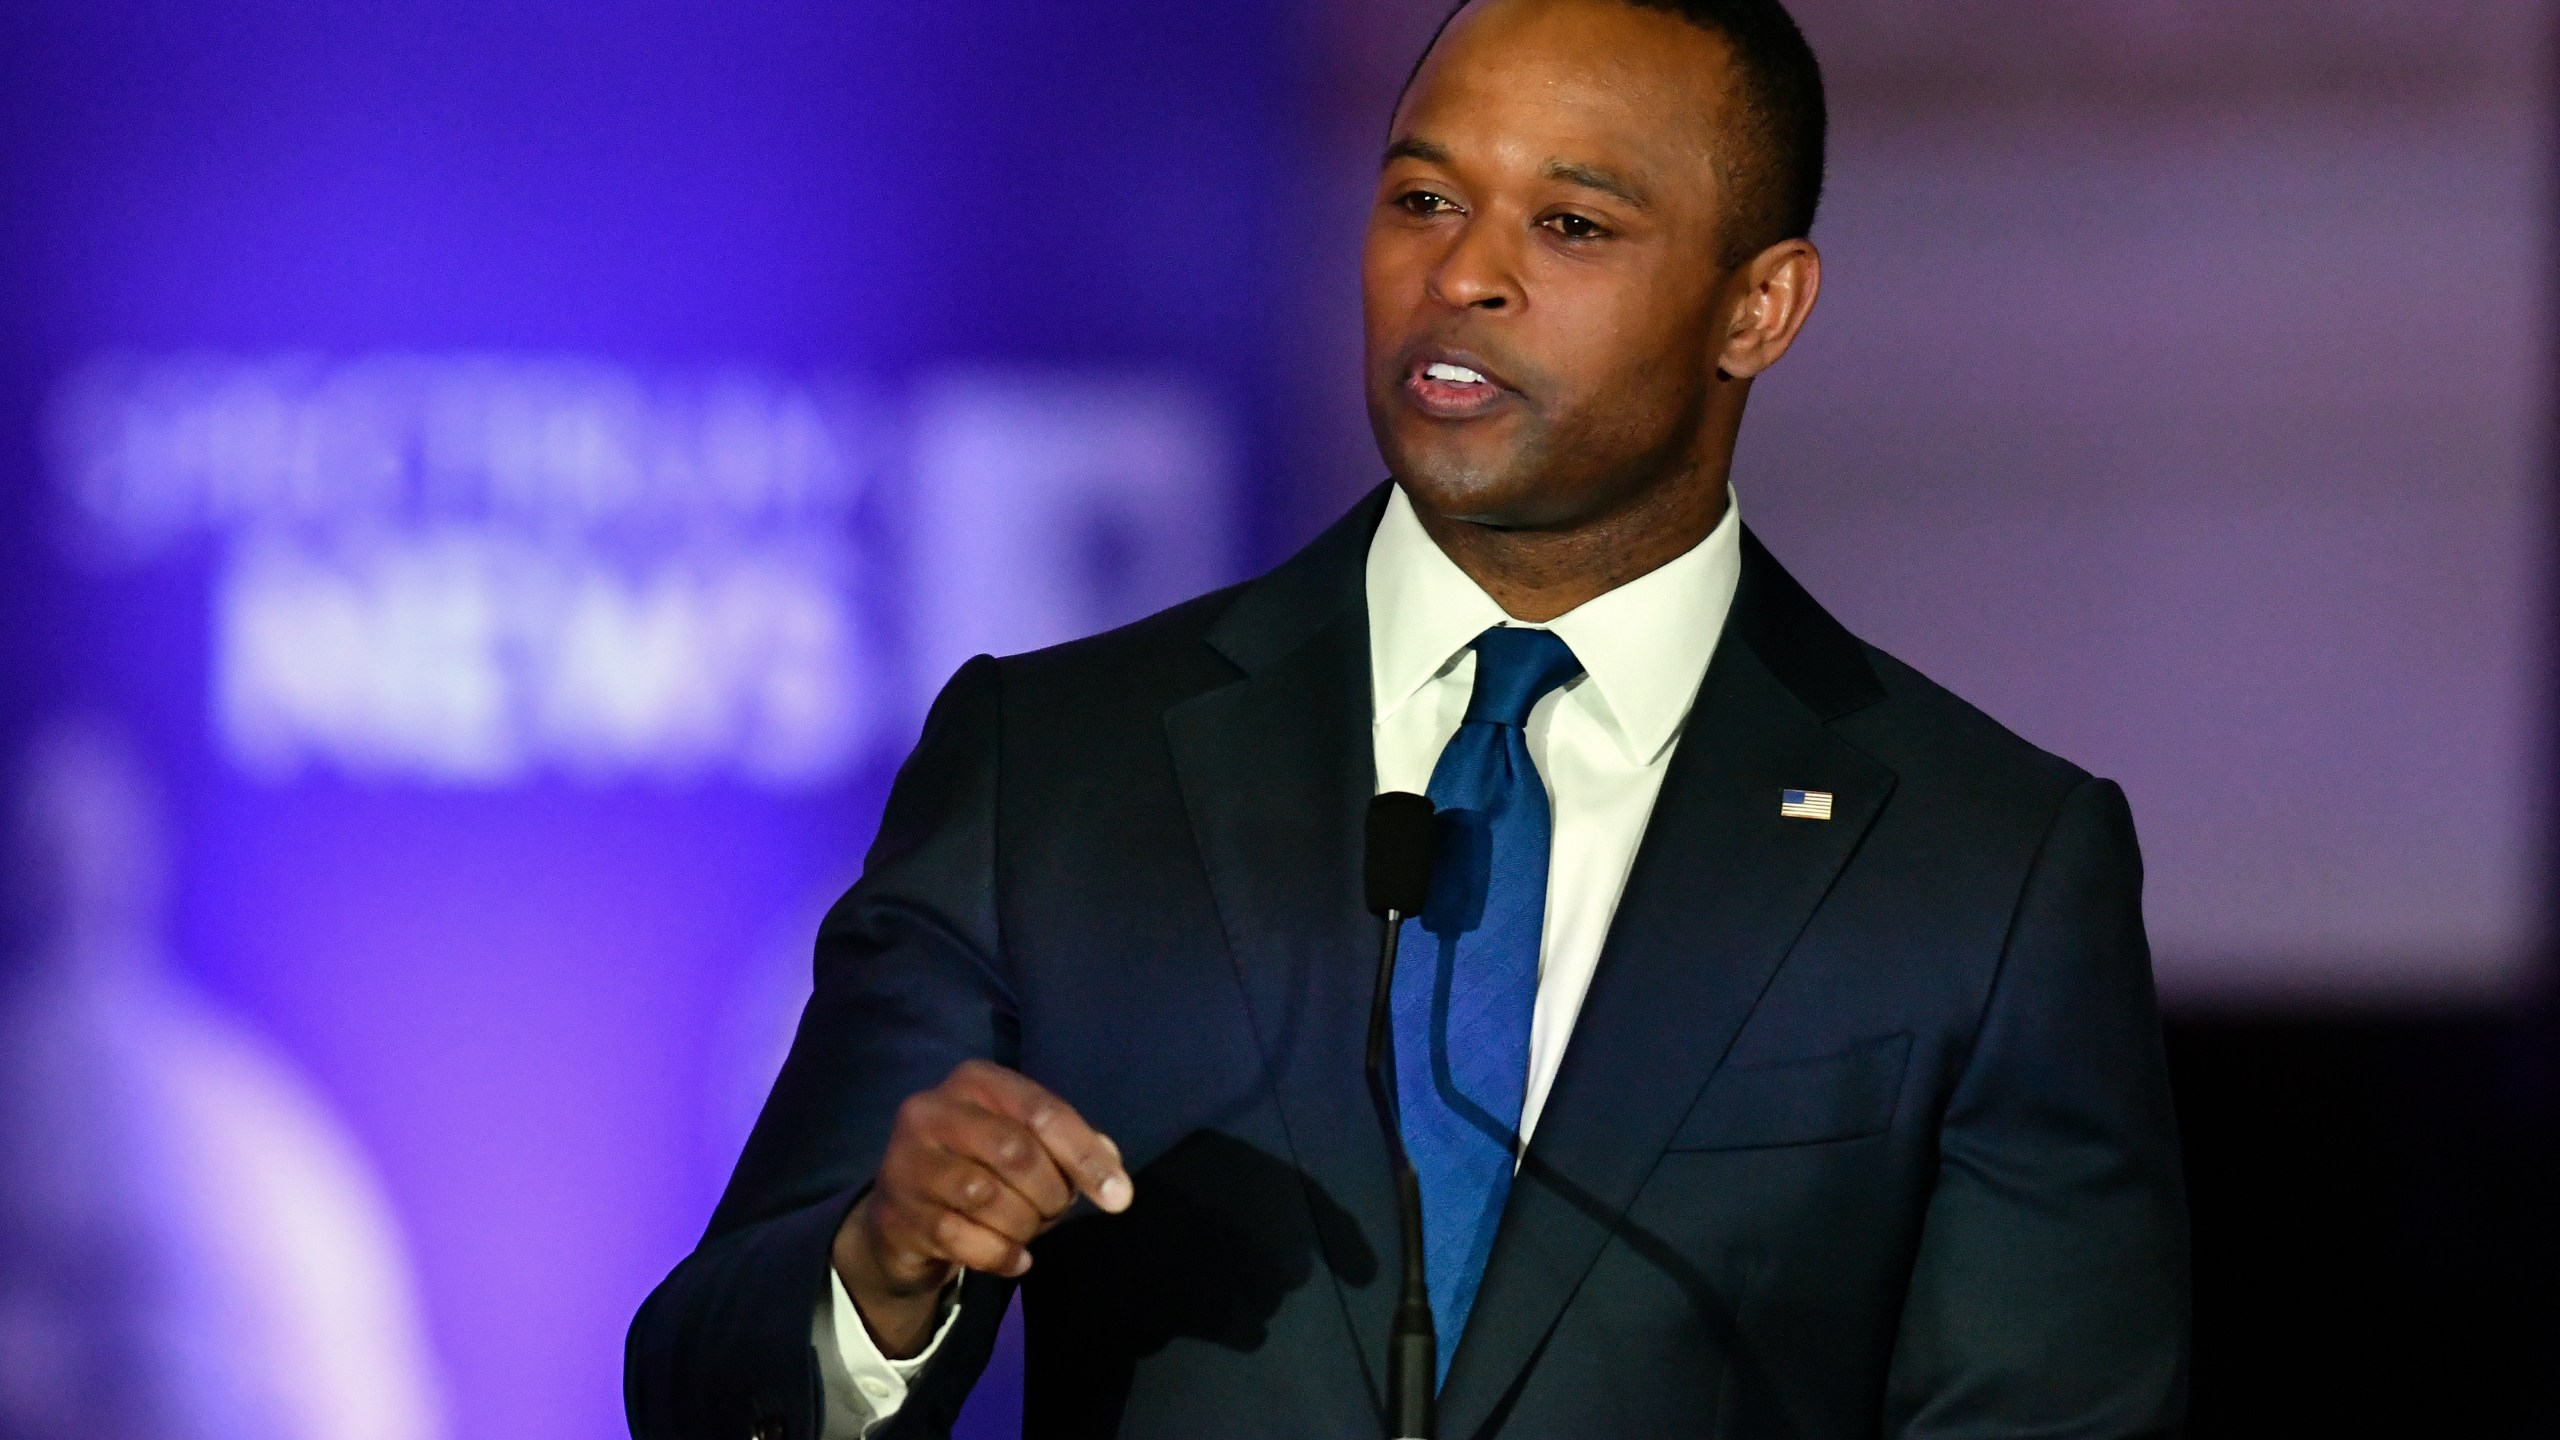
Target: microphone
<point>1398,876</point>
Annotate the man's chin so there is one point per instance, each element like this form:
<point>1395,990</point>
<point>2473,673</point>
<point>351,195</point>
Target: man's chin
<point>1476,496</point>
<point>1456,463</point>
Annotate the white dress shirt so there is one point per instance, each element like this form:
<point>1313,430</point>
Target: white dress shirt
<point>1602,744</point>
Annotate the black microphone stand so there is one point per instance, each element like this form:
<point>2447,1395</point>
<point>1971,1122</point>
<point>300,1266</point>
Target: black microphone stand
<point>1399,872</point>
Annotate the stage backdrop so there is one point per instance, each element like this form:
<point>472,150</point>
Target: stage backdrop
<point>490,489</point>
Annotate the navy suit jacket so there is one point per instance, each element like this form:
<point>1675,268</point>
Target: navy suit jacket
<point>1863,1129</point>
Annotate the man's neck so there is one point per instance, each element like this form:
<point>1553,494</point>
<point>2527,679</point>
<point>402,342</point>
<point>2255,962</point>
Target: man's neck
<point>1537,575</point>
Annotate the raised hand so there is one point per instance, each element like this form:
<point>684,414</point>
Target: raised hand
<point>977,1168</point>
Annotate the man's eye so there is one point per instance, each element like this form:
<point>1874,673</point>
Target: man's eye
<point>1423,202</point>
<point>1575,227</point>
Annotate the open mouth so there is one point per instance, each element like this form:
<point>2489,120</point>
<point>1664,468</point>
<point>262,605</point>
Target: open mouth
<point>1451,389</point>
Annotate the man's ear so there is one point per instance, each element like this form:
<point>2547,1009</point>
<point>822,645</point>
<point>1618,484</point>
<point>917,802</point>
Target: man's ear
<point>1772,294</point>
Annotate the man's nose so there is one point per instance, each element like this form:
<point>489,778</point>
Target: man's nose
<point>1477,273</point>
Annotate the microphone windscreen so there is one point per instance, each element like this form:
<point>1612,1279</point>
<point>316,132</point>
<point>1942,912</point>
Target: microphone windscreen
<point>1399,862</point>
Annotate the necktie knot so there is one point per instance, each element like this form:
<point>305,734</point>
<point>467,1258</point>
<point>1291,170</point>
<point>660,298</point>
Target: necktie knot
<point>1515,669</point>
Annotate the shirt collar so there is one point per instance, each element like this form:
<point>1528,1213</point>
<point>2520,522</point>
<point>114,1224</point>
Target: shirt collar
<point>1645,645</point>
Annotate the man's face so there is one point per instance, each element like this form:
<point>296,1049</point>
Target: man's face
<point>1542,276</point>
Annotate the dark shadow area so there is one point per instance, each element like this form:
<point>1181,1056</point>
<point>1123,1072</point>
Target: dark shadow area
<point>2377,1224</point>
<point>1220,1244</point>
<point>1716,1313</point>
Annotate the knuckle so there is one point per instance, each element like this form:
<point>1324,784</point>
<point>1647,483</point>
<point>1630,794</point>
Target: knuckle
<point>889,1193</point>
<point>907,1167</point>
<point>917,1220</point>
<point>914,1112</point>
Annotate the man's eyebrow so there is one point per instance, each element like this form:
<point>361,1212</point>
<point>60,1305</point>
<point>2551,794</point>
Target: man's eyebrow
<point>1414,147</point>
<point>1593,178</point>
<point>1589,177</point>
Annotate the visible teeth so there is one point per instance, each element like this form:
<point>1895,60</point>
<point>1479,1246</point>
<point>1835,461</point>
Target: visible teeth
<point>1454,374</point>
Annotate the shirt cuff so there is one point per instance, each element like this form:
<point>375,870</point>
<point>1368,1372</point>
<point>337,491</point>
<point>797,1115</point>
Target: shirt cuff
<point>864,1388</point>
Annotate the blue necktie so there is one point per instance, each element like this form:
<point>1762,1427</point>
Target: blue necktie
<point>1466,981</point>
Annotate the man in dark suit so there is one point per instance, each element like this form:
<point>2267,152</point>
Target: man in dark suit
<point>1777,1052</point>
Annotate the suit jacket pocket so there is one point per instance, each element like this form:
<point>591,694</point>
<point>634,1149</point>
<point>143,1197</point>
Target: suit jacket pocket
<point>1799,1102</point>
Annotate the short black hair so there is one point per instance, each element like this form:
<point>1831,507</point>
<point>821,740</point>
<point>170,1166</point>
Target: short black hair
<point>1777,173</point>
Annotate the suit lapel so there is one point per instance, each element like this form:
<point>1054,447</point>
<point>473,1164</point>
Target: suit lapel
<point>1721,887</point>
<point>1276,771</point>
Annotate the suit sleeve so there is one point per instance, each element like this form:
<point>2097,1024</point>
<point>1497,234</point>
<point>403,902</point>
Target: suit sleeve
<point>909,983</point>
<point>2050,1293</point>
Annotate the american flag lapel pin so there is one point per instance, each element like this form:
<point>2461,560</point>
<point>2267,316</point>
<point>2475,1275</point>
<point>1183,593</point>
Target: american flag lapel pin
<point>1804,804</point>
